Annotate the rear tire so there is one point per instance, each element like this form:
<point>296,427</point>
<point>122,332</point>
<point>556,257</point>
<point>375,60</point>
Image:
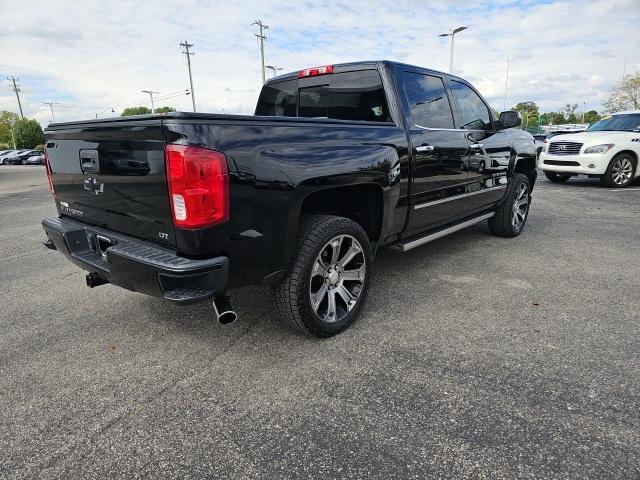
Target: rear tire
<point>556,177</point>
<point>511,216</point>
<point>620,172</point>
<point>324,289</point>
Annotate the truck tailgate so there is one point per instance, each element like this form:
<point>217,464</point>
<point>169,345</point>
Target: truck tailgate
<point>112,174</point>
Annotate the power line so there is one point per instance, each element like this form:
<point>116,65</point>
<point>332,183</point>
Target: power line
<point>261,38</point>
<point>16,88</point>
<point>186,45</point>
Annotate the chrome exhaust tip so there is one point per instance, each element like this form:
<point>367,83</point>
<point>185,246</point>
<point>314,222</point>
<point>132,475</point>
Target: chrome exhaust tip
<point>225,314</point>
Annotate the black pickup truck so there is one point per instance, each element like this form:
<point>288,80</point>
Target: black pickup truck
<point>337,161</point>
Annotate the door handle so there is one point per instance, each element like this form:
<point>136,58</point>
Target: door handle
<point>476,146</point>
<point>425,148</point>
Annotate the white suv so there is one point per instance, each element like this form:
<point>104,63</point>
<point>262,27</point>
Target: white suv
<point>609,150</point>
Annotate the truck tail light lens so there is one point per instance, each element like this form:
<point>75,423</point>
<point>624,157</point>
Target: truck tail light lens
<point>315,71</point>
<point>48,169</point>
<point>198,181</point>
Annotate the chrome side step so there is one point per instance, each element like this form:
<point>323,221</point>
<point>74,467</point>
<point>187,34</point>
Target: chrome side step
<point>405,245</point>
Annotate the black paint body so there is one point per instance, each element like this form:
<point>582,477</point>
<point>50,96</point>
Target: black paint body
<point>282,167</point>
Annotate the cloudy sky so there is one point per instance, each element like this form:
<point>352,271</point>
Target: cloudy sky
<point>95,55</point>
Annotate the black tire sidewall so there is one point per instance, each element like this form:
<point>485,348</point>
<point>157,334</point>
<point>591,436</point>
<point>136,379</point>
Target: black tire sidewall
<point>311,321</point>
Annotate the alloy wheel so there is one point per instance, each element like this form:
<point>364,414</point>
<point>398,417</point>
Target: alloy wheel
<point>520,207</point>
<point>337,278</point>
<point>622,171</point>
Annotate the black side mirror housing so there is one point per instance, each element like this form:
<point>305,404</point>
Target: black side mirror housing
<point>510,119</point>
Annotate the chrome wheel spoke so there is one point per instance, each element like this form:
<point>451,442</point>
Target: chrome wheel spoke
<point>346,295</point>
<point>331,307</point>
<point>356,274</point>
<point>350,255</point>
<point>316,298</point>
<point>319,268</point>
<point>336,245</point>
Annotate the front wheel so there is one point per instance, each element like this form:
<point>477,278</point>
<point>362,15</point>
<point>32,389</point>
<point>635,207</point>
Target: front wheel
<point>620,171</point>
<point>511,216</point>
<point>328,279</point>
<point>556,177</point>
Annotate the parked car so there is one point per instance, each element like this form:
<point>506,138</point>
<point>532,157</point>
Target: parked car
<point>4,154</point>
<point>35,159</point>
<point>4,158</point>
<point>15,157</point>
<point>608,150</point>
<point>338,161</point>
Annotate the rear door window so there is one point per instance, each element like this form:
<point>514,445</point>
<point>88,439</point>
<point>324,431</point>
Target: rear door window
<point>357,95</point>
<point>428,100</point>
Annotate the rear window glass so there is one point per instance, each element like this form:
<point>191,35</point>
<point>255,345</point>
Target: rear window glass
<point>355,95</point>
<point>279,99</point>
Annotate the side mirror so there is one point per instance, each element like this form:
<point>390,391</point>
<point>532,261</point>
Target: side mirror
<point>510,119</point>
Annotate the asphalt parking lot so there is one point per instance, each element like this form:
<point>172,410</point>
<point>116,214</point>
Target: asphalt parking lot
<point>476,357</point>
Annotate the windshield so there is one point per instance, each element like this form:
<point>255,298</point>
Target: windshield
<point>623,123</point>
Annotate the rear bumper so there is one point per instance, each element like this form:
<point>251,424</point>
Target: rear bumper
<point>137,265</point>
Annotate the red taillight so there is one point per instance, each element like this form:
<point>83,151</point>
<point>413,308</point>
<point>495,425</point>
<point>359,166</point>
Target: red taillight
<point>48,169</point>
<point>315,71</point>
<point>198,182</point>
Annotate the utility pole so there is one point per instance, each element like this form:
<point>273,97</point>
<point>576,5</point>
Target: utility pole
<point>51,104</point>
<point>261,37</point>
<point>13,137</point>
<point>16,88</point>
<point>584,107</point>
<point>151,92</point>
<point>506,86</point>
<point>274,68</point>
<point>186,45</point>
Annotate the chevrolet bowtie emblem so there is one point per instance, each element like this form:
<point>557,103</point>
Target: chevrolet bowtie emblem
<point>94,186</point>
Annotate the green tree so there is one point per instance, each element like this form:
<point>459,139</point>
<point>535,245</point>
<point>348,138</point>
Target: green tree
<point>552,118</point>
<point>569,112</point>
<point>135,111</point>
<point>7,121</point>
<point>625,95</point>
<point>144,111</point>
<point>529,112</point>
<point>28,133</point>
<point>592,116</point>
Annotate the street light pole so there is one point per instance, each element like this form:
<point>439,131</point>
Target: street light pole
<point>53,118</point>
<point>584,108</point>
<point>506,86</point>
<point>151,92</point>
<point>452,34</point>
<point>273,68</point>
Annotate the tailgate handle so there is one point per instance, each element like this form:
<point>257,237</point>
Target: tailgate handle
<point>89,161</point>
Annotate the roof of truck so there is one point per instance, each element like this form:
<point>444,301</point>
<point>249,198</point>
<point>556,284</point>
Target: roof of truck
<point>365,63</point>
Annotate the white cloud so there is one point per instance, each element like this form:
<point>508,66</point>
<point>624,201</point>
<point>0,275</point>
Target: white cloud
<point>93,55</point>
